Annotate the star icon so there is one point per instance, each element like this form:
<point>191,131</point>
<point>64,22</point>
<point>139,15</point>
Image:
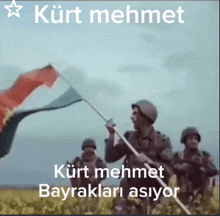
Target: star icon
<point>13,6</point>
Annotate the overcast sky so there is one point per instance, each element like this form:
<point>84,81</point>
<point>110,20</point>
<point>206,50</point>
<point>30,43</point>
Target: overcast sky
<point>176,66</point>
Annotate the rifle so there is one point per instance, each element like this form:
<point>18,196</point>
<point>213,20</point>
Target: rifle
<point>195,163</point>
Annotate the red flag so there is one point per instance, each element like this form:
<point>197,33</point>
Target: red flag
<point>10,99</point>
<point>23,87</point>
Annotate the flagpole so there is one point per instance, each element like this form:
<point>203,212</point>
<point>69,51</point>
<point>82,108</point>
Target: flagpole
<point>84,99</point>
<point>132,149</point>
<point>95,110</point>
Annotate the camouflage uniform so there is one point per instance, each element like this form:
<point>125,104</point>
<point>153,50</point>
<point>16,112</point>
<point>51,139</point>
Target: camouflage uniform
<point>92,161</point>
<point>194,180</point>
<point>153,144</point>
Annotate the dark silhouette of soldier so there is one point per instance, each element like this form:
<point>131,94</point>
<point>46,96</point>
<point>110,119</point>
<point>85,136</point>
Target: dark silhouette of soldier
<point>193,167</point>
<point>147,142</point>
<point>90,159</point>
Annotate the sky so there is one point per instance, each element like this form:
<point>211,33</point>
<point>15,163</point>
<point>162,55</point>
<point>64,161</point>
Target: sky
<point>176,66</point>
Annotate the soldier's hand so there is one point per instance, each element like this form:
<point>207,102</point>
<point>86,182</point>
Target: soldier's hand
<point>203,169</point>
<point>144,159</point>
<point>110,126</point>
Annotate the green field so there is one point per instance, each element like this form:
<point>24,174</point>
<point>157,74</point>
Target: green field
<point>27,201</point>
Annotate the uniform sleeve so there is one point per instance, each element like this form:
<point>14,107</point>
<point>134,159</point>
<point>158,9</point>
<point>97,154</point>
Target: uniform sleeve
<point>209,166</point>
<point>165,151</point>
<point>165,155</point>
<point>114,153</point>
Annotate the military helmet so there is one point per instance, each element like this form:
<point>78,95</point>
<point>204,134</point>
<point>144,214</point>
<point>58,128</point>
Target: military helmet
<point>189,131</point>
<point>88,143</point>
<point>147,109</point>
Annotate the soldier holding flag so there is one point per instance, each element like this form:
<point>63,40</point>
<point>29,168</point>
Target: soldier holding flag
<point>148,142</point>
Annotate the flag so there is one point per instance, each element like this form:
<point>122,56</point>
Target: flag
<point>12,98</point>
<point>22,88</point>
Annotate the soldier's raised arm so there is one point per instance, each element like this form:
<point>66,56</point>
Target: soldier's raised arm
<point>113,153</point>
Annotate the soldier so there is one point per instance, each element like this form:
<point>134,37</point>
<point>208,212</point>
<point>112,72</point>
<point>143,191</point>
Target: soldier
<point>192,166</point>
<point>147,142</point>
<point>90,159</point>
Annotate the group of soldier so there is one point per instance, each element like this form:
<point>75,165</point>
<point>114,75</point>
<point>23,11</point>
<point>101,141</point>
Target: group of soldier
<point>193,167</point>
